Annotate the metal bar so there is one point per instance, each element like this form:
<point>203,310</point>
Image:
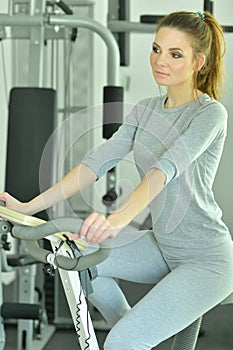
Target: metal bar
<point>21,2</point>
<point>80,2</point>
<point>2,329</point>
<point>27,275</point>
<point>227,29</point>
<point>10,8</point>
<point>37,35</point>
<point>104,33</point>
<point>32,7</point>
<point>79,309</point>
<point>36,58</point>
<point>208,6</point>
<point>113,77</point>
<point>21,20</point>
<point>126,26</point>
<point>119,11</point>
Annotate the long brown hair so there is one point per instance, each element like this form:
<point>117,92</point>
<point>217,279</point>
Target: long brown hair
<point>206,37</point>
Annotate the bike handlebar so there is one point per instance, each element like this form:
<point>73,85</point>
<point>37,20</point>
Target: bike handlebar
<point>31,234</point>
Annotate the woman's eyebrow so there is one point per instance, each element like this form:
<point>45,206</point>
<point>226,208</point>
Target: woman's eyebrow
<point>171,49</point>
<point>176,49</point>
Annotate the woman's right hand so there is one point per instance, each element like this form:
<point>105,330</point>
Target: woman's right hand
<point>13,203</point>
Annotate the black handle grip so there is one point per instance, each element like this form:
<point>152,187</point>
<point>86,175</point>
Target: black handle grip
<point>21,311</point>
<point>150,19</point>
<point>64,7</point>
<point>113,110</point>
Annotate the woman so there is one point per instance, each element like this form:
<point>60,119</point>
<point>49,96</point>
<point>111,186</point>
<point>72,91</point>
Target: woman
<point>177,140</point>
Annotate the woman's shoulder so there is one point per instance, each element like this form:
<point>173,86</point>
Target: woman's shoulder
<point>211,113</point>
<point>210,104</point>
<point>152,103</point>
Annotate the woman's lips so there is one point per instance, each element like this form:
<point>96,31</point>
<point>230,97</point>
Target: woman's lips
<point>161,74</point>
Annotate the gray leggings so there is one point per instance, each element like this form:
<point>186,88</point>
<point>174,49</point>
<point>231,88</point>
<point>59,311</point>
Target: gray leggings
<point>187,283</point>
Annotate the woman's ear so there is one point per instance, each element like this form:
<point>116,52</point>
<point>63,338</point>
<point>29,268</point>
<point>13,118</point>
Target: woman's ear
<point>201,61</point>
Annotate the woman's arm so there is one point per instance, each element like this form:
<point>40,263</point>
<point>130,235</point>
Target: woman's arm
<point>76,180</point>
<point>96,227</point>
<point>151,185</point>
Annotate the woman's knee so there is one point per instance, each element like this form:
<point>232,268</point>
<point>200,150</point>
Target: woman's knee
<point>116,341</point>
<point>113,343</point>
<point>119,339</point>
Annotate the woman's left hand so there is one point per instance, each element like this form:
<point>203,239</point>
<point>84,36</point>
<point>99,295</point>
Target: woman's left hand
<point>95,229</point>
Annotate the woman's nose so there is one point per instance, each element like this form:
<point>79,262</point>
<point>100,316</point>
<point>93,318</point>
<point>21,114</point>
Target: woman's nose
<point>161,60</point>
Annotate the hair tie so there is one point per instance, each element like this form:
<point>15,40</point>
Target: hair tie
<point>201,15</point>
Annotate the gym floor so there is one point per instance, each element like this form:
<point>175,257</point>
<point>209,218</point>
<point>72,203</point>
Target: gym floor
<point>216,334</point>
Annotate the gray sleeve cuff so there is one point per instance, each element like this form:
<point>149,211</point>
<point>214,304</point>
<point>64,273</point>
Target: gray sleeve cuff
<point>167,167</point>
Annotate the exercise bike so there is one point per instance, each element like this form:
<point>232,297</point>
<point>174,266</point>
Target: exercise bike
<point>76,269</point>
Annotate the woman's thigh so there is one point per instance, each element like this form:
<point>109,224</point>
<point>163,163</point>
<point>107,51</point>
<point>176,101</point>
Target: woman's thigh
<point>136,259</point>
<point>182,296</point>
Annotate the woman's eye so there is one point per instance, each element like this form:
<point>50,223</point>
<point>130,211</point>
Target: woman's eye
<point>176,55</point>
<point>155,49</point>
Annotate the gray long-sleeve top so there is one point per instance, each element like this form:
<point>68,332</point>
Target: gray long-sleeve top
<point>186,143</point>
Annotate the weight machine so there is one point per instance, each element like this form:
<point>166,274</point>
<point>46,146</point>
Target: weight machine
<point>38,22</point>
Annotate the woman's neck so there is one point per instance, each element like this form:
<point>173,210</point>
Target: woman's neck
<point>180,98</point>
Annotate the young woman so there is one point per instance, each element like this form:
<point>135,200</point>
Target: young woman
<point>177,140</point>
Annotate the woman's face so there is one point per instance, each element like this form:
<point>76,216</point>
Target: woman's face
<point>172,59</point>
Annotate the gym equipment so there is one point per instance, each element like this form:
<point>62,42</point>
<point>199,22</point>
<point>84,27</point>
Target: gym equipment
<point>36,332</point>
<point>42,23</point>
<point>32,112</point>
<point>37,22</point>
<point>112,119</point>
<point>76,270</point>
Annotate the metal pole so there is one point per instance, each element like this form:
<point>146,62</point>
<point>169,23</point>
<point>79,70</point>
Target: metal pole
<point>104,33</point>
<point>10,8</point>
<point>208,6</point>
<point>21,20</point>
<point>74,21</point>
<point>2,329</point>
<point>126,26</point>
